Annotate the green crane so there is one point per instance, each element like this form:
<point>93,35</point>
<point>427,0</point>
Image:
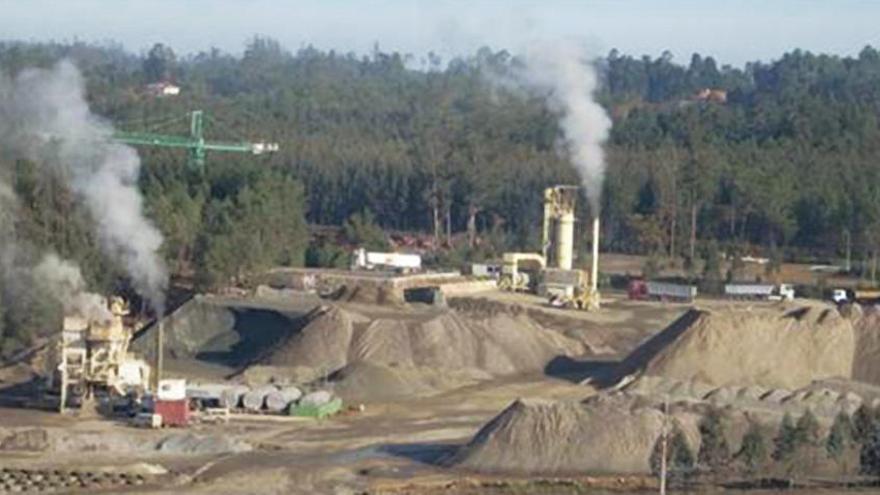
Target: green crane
<point>198,148</point>
<point>195,142</point>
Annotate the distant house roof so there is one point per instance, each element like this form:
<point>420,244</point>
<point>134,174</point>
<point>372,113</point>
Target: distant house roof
<point>163,88</point>
<point>711,95</point>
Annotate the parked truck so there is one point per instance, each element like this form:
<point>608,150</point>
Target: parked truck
<point>401,262</point>
<point>767,292</point>
<point>861,296</point>
<point>664,291</point>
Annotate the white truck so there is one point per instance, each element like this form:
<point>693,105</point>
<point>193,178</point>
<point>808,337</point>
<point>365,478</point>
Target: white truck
<point>365,260</point>
<point>767,292</point>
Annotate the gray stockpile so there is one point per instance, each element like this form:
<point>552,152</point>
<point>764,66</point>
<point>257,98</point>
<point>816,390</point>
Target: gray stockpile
<point>279,400</point>
<point>255,399</point>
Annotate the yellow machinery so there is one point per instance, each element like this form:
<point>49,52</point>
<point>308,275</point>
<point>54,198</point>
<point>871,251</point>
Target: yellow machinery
<point>519,271</point>
<point>92,354</point>
<point>556,278</point>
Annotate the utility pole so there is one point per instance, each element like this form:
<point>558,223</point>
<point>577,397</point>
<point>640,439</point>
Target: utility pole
<point>664,450</point>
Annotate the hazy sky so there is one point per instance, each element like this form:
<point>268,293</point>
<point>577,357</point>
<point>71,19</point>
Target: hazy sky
<point>734,31</point>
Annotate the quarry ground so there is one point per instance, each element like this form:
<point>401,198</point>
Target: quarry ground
<point>392,446</point>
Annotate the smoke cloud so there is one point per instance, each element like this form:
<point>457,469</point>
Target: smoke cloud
<point>44,117</point>
<point>64,281</point>
<point>58,278</point>
<point>563,73</point>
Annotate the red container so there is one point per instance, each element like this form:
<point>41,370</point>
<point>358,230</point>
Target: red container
<point>173,412</point>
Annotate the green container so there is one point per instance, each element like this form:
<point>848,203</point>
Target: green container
<point>313,411</point>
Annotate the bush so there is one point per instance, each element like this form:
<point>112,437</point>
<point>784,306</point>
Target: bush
<point>714,451</point>
<point>361,230</point>
<point>863,423</point>
<point>840,438</point>
<point>753,451</point>
<point>785,442</point>
<point>807,430</point>
<point>869,458</point>
<point>679,456</point>
<point>326,255</point>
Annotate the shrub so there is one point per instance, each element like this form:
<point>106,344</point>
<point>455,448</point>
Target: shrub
<point>753,451</point>
<point>714,451</point>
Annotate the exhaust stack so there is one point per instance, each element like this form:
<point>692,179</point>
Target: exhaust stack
<point>594,272</point>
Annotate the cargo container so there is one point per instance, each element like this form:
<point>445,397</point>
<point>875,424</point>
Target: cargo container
<point>171,389</point>
<point>173,412</point>
<point>314,410</point>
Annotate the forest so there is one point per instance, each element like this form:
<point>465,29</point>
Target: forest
<point>774,157</point>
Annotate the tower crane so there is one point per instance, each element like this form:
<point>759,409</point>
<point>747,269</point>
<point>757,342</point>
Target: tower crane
<point>198,147</point>
<point>195,142</point>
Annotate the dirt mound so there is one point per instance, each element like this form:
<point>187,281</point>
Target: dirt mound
<point>222,334</point>
<point>322,343</point>
<point>778,347</point>
<point>536,436</point>
<point>367,382</point>
<point>500,344</point>
<point>866,364</point>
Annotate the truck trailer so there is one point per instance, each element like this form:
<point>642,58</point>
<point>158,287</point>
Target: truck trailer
<point>766,292</point>
<point>662,291</point>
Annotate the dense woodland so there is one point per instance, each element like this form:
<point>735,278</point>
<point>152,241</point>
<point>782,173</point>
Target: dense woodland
<point>788,163</point>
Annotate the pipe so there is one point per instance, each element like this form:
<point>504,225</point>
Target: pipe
<point>159,358</point>
<point>594,272</point>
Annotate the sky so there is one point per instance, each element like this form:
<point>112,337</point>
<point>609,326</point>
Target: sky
<point>732,31</point>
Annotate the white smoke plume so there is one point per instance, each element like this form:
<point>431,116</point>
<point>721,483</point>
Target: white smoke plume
<point>563,73</point>
<point>64,281</point>
<point>43,107</point>
<point>61,279</point>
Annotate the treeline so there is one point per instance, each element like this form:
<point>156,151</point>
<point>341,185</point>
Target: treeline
<point>789,159</point>
<point>781,156</point>
<point>792,450</point>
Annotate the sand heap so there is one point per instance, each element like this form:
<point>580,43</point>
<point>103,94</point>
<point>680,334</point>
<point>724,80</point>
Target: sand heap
<point>412,348</point>
<point>866,364</point>
<point>607,434</point>
<point>775,347</point>
<point>616,432</point>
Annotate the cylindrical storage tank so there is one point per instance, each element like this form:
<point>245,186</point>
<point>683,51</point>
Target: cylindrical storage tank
<point>254,399</point>
<point>231,397</point>
<point>278,400</point>
<point>565,240</point>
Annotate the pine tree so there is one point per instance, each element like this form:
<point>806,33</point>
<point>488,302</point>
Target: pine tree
<point>840,438</point>
<point>754,448</point>
<point>869,458</point>
<point>679,456</point>
<point>785,442</point>
<point>714,451</point>
<point>807,430</point>
<point>863,423</point>
<point>682,455</point>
